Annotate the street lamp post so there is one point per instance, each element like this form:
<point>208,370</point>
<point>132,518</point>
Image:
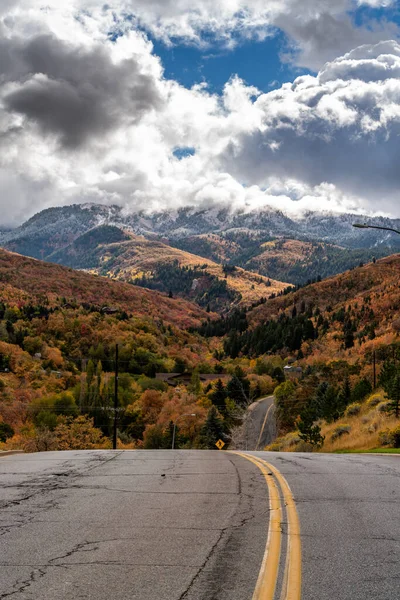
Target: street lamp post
<point>366,226</point>
<point>174,432</point>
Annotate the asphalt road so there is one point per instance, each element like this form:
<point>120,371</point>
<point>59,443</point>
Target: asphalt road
<point>193,525</point>
<point>131,525</point>
<point>349,511</point>
<point>260,425</point>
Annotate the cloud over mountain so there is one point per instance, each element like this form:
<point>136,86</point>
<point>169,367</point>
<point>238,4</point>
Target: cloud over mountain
<point>340,127</point>
<point>86,113</point>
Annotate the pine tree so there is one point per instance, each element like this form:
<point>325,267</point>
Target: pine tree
<point>238,388</point>
<point>348,336</point>
<point>219,395</point>
<point>346,389</point>
<point>212,430</point>
<point>309,331</point>
<point>308,431</point>
<point>387,373</point>
<point>394,396</point>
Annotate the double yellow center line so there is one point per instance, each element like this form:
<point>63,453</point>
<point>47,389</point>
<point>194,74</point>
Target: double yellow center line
<point>268,576</point>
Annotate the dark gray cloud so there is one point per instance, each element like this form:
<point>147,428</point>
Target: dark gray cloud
<point>326,35</point>
<point>73,93</point>
<point>342,127</point>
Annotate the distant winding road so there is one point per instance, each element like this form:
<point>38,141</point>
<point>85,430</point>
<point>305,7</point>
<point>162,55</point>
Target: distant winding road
<point>260,424</point>
<point>199,525</point>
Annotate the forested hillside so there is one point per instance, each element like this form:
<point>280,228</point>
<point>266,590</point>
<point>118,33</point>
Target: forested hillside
<point>342,337</point>
<point>111,252</point>
<point>25,280</point>
<point>330,351</point>
<point>291,260</point>
<point>59,330</point>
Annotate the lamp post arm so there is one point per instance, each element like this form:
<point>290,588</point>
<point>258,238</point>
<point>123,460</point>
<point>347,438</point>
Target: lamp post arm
<point>364,226</point>
<point>384,228</point>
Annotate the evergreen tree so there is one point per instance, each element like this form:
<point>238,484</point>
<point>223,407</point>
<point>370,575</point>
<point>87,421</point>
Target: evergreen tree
<point>235,391</point>
<point>278,374</point>
<point>348,339</point>
<point>394,396</point>
<point>387,373</point>
<point>219,395</point>
<point>308,431</point>
<point>6,431</point>
<point>346,390</point>
<point>212,430</point>
<point>238,388</point>
<point>328,403</point>
<point>309,331</point>
<point>361,390</point>
<point>168,434</point>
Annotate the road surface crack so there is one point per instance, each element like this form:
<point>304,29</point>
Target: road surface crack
<point>21,586</point>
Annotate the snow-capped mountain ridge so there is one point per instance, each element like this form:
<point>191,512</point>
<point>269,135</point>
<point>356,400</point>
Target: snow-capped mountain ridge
<point>63,224</point>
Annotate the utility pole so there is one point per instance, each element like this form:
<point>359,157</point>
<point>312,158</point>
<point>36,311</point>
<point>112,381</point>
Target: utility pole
<point>115,399</point>
<point>374,362</point>
<point>83,383</point>
<point>174,431</point>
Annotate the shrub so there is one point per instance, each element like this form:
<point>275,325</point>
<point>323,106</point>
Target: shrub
<point>291,439</point>
<point>384,437</point>
<point>6,432</point>
<point>374,400</point>
<point>276,446</point>
<point>394,436</point>
<point>339,431</point>
<point>353,409</point>
<point>78,434</point>
<point>303,446</point>
<point>383,406</point>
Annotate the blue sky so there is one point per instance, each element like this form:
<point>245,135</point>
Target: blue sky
<point>366,14</point>
<point>108,125</point>
<point>258,63</point>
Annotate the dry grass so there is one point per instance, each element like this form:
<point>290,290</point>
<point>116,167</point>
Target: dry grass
<point>350,433</point>
<point>364,431</point>
<point>141,257</point>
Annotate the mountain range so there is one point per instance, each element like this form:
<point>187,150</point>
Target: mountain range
<point>267,242</point>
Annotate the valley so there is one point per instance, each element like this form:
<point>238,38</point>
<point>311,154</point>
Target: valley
<point>59,328</point>
<point>184,305</point>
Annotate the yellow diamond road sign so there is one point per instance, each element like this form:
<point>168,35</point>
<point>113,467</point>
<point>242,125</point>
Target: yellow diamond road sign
<point>220,444</point>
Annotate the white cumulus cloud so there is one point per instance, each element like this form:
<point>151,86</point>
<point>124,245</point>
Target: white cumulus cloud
<point>85,118</point>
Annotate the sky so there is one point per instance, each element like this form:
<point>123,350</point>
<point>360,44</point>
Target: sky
<point>159,104</point>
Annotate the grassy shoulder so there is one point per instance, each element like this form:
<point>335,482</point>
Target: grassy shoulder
<point>365,427</point>
<point>371,451</point>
